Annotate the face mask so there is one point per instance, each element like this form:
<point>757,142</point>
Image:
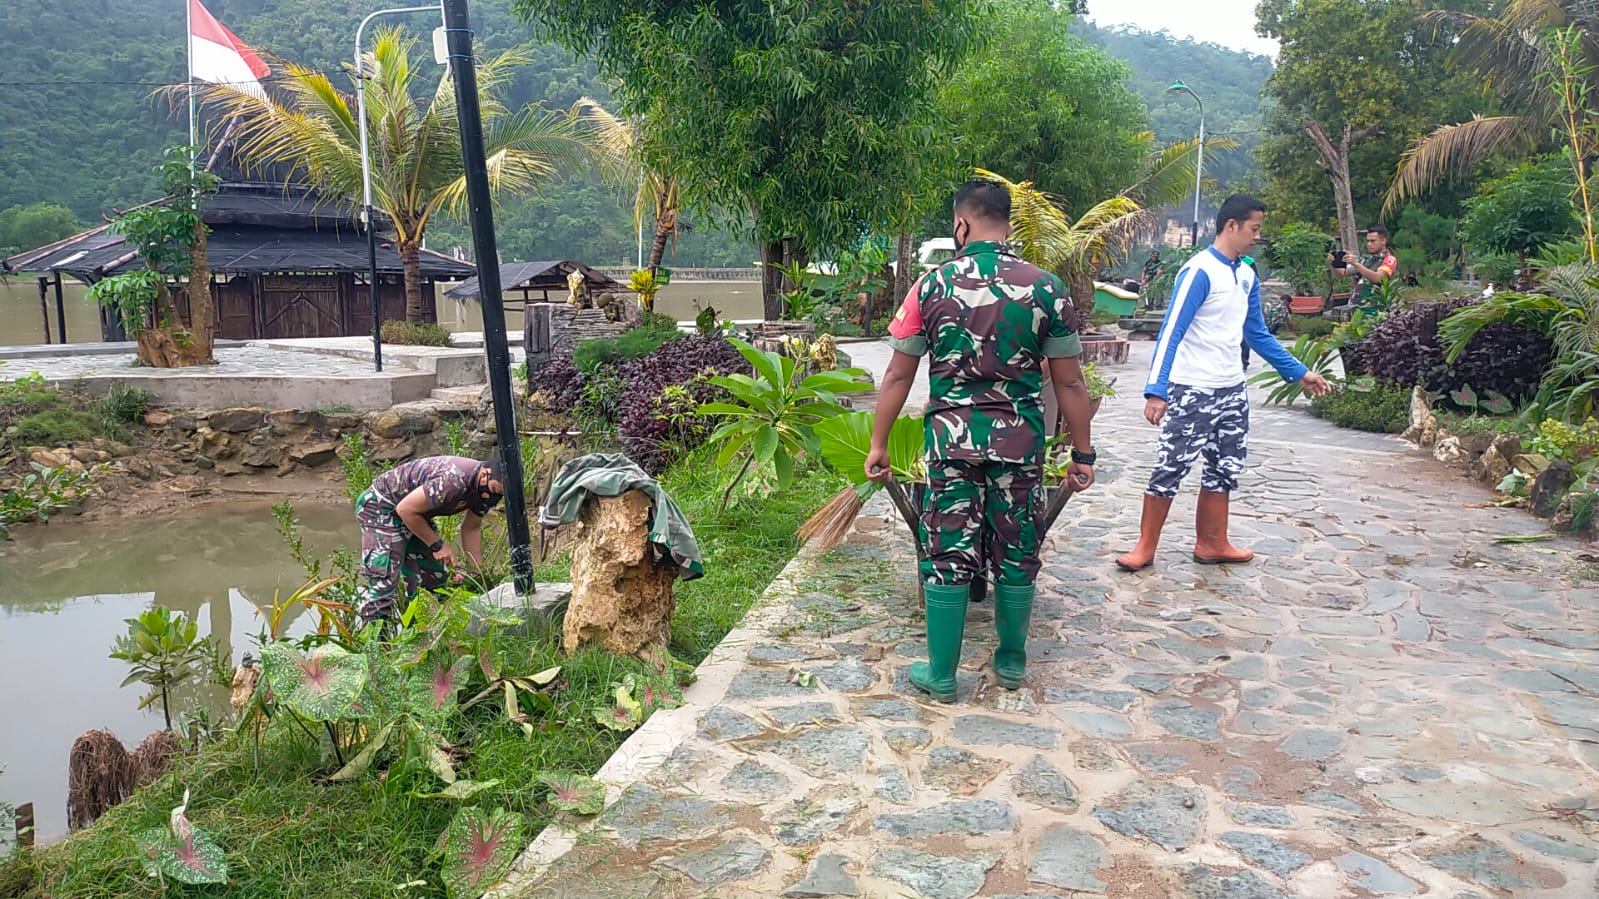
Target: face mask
<point>960,241</point>
<point>482,499</point>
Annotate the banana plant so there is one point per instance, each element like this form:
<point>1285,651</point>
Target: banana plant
<point>773,415</point>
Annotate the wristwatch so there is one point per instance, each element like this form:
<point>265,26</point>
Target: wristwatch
<point>435,546</point>
<point>1082,458</point>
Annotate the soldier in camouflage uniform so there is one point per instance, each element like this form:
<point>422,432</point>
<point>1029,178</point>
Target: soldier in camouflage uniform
<point>398,540</point>
<point>988,321</point>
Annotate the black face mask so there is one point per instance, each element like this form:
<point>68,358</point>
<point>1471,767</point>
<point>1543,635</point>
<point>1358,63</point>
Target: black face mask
<point>960,242</point>
<point>482,499</point>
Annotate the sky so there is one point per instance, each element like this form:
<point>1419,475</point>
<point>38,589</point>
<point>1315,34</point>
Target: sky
<point>1230,23</point>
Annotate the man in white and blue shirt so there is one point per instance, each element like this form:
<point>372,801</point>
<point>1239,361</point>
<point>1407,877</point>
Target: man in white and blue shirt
<point>1196,391</point>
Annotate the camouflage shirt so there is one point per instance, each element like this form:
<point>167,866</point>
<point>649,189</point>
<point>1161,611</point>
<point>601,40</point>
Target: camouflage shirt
<point>446,481</point>
<point>987,320</point>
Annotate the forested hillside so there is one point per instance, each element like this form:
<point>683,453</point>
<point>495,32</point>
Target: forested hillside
<point>79,125</point>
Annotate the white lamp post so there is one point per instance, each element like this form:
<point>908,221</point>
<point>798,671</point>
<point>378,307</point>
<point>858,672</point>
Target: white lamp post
<point>1199,163</point>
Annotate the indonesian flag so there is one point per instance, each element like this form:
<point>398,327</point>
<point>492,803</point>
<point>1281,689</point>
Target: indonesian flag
<point>218,56</point>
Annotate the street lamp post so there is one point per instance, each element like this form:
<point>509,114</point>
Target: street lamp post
<point>366,174</point>
<point>1199,162</point>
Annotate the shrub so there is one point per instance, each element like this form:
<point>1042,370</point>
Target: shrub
<point>124,404</point>
<point>1298,255</point>
<point>57,427</point>
<point>1312,325</point>
<point>633,343</point>
<point>415,334</point>
<point>560,382</point>
<point>1379,408</point>
<point>658,389</point>
<point>1403,349</point>
<point>1558,440</point>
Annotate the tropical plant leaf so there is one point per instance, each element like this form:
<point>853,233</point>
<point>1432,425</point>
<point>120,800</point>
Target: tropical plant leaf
<point>844,441</point>
<point>572,792</point>
<point>504,616</point>
<point>460,790</point>
<point>478,850</point>
<point>434,693</point>
<point>1464,397</point>
<point>182,852</point>
<point>546,677</point>
<point>323,686</point>
<point>358,765</point>
<point>1496,403</point>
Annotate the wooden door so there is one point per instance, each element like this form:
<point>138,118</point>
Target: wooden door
<point>300,306</point>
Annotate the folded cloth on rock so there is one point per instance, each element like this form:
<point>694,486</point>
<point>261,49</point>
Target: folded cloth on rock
<point>613,474</point>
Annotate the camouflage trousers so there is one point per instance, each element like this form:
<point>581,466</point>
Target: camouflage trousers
<point>987,506</point>
<point>391,555</point>
<point>1212,423</point>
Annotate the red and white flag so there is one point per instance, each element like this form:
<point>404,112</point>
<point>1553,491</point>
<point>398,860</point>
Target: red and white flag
<point>218,56</point>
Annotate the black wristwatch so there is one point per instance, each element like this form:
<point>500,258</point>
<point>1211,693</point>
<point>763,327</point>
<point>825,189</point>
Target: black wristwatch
<point>1082,458</point>
<point>435,546</point>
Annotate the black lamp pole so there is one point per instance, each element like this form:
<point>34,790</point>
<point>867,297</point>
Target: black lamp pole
<point>463,68</point>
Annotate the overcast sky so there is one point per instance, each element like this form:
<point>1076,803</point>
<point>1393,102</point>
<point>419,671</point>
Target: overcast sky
<point>1230,23</point>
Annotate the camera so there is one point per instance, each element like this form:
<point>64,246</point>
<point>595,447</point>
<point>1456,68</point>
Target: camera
<point>1339,261</point>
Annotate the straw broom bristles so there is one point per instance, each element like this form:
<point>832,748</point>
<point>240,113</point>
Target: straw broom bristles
<point>832,522</point>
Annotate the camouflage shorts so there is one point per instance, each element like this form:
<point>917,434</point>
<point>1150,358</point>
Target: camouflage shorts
<point>1212,423</point>
<point>987,506</point>
<point>391,555</point>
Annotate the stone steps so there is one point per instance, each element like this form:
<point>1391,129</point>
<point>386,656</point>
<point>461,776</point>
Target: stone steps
<point>466,395</point>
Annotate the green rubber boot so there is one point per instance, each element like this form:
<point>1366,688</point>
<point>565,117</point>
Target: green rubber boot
<point>1013,612</point>
<point>946,627</point>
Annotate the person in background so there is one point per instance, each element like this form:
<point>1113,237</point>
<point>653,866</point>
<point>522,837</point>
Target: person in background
<point>1370,270</point>
<point>399,543</point>
<point>1152,267</point>
<point>1196,393</point>
<point>987,321</point>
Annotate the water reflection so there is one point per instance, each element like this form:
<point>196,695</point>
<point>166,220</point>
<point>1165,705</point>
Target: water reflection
<point>64,592</point>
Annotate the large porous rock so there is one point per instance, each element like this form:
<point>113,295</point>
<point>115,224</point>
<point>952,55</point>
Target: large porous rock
<point>1550,487</point>
<point>1447,450</point>
<point>396,423</point>
<point>621,599</point>
<point>1423,428</point>
<point>237,421</point>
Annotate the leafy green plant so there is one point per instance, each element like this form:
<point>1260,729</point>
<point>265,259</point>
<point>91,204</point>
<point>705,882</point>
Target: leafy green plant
<point>359,466</point>
<point>1365,405</point>
<point>572,792</point>
<point>773,415</point>
<point>1491,402</point>
<point>182,852</point>
<point>1318,354</point>
<point>1172,260</point>
<point>163,648</point>
<point>406,333</point>
<point>845,440</point>
<point>124,404</point>
<point>57,427</point>
<point>1556,439</point>
<point>1522,213</point>
<point>46,490</point>
<point>479,847</point>
<point>592,354</point>
<point>646,285</point>
<point>1298,255</point>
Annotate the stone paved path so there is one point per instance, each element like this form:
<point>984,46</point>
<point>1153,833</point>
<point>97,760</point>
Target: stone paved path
<point>1386,704</point>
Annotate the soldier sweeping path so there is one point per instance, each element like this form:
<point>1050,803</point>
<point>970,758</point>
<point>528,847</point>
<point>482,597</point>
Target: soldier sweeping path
<point>398,540</point>
<point>988,320</point>
<point>1197,394</point>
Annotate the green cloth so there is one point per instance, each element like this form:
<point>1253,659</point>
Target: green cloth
<point>613,474</point>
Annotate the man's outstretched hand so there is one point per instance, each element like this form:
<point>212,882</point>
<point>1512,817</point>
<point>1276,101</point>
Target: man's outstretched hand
<point>1315,384</point>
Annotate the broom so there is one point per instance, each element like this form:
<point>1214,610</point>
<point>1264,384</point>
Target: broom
<point>832,522</point>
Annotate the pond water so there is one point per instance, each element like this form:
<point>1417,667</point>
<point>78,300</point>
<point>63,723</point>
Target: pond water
<point>65,589</point>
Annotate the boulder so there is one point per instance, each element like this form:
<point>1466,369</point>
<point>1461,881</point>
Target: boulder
<point>84,454</point>
<point>621,599</point>
<point>1550,487</point>
<point>1530,464</point>
<point>1447,450</point>
<point>262,455</point>
<point>140,468</point>
<point>46,458</point>
<point>184,421</point>
<point>237,421</point>
<point>315,454</point>
<point>396,423</point>
<point>1491,467</point>
<point>287,422</point>
<point>157,419</point>
<point>1423,423</point>
<point>341,421</point>
<point>1474,445</point>
<point>398,451</point>
<point>1565,517</point>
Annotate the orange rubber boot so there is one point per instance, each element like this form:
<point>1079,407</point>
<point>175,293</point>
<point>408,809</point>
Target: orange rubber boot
<point>1211,546</point>
<point>1149,526</point>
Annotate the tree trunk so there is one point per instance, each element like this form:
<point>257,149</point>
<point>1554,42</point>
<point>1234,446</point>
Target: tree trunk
<point>664,226</point>
<point>1081,286</point>
<point>1335,158</point>
<point>905,266</point>
<point>772,281</point>
<point>411,259</point>
<point>202,307</point>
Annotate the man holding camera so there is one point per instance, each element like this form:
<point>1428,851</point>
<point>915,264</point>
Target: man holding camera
<point>1370,270</point>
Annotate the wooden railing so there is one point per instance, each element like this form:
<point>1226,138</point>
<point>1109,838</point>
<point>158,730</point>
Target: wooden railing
<point>622,273</point>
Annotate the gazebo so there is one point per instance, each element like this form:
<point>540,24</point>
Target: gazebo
<point>519,281</point>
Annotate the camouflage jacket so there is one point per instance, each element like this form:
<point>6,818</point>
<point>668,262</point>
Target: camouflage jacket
<point>987,320</point>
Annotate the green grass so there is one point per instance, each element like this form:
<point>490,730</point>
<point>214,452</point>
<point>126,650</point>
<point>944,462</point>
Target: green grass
<point>287,835</point>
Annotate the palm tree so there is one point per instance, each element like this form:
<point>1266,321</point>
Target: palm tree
<point>416,158</point>
<point>1072,249</point>
<point>1513,53</point>
<point>656,194</point>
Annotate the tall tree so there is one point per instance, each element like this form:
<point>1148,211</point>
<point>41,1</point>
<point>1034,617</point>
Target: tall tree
<point>1052,109</point>
<point>814,118</point>
<point>415,143</point>
<point>656,195</point>
<point>1350,73</point>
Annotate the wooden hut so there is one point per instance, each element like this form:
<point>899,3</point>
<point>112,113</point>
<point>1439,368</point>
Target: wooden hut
<point>520,281</point>
<point>284,263</point>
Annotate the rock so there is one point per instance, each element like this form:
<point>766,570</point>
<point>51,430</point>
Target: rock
<point>341,421</point>
<point>957,771</point>
<point>315,454</point>
<point>1260,815</point>
<point>1530,464</point>
<point>755,779</point>
<point>1565,518</point>
<point>46,458</point>
<point>826,877</point>
<point>155,418</point>
<point>1550,487</point>
<point>1201,882</point>
<point>186,422</point>
<point>245,677</point>
<point>1041,782</point>
<point>1093,723</point>
<point>905,739</point>
<point>85,454</point>
<point>808,820</point>
<point>1312,745</point>
<point>723,723</point>
<point>889,709</point>
<point>1066,857</point>
<point>893,785</point>
<point>236,421</point>
<point>1184,720</point>
<point>621,598</point>
<point>1474,445</point>
<point>397,423</point>
<point>396,451</point>
<point>140,468</point>
<point>1422,420</point>
<point>644,814</point>
<point>1447,450</point>
<point>287,422</point>
<point>1269,852</point>
<point>735,859</point>
<point>1555,847</point>
<point>264,455</point>
<point>822,751</point>
<point>987,730</point>
<point>933,876</point>
<point>1490,865</point>
<point>203,462</point>
<point>1162,813</point>
<point>970,817</point>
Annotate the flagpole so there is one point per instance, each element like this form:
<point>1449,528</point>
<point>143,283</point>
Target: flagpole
<point>188,53</point>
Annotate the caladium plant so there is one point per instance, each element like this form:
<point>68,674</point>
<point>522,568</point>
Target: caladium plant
<point>572,792</point>
<point>434,690</point>
<point>323,686</point>
<point>182,852</point>
<point>479,847</point>
<point>627,714</point>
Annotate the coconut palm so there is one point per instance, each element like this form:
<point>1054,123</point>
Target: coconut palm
<point>1072,249</point>
<point>415,143</point>
<point>656,194</point>
<point>1512,53</point>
